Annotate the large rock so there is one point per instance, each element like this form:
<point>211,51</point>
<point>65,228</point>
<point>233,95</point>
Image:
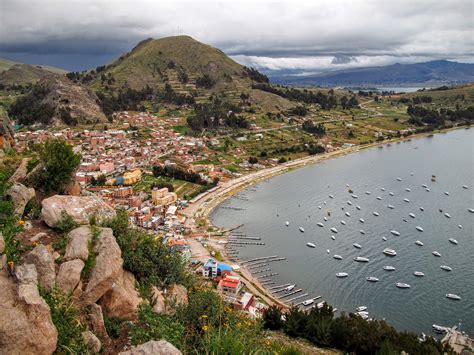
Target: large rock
<point>20,195</point>
<point>107,268</point>
<point>42,258</point>
<point>177,295</point>
<point>78,245</point>
<point>122,300</point>
<point>153,347</point>
<point>80,208</point>
<point>92,342</point>
<point>20,173</point>
<point>69,275</point>
<point>26,326</point>
<point>96,321</point>
<point>158,300</point>
<point>2,243</point>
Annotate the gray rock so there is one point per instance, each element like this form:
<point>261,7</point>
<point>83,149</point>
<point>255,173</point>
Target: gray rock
<point>37,237</point>
<point>42,258</point>
<point>153,347</point>
<point>96,321</point>
<point>20,173</point>
<point>20,195</point>
<point>158,300</point>
<point>92,342</point>
<point>78,245</point>
<point>69,275</point>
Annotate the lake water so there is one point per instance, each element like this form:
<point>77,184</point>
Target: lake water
<point>297,195</point>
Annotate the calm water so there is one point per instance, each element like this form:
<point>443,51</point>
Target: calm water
<point>295,197</point>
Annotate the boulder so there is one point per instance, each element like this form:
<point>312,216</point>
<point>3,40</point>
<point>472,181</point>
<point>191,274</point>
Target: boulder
<point>96,321</point>
<point>20,195</point>
<point>2,243</point>
<point>78,245</point>
<point>37,237</point>
<point>177,295</point>
<point>122,300</point>
<point>20,173</point>
<point>42,258</point>
<point>26,326</point>
<point>69,275</point>
<point>92,342</point>
<point>107,268</point>
<point>153,347</point>
<point>158,301</point>
<point>80,208</point>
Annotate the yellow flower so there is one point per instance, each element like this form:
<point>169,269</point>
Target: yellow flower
<point>204,316</point>
<point>205,328</point>
<point>35,244</point>
<point>21,222</point>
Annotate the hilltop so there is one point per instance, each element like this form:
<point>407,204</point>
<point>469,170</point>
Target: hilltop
<point>25,74</point>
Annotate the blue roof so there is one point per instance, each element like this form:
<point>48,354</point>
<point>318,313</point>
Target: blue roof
<point>224,267</point>
<point>210,263</point>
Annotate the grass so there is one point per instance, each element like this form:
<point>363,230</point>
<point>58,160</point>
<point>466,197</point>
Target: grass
<point>181,187</point>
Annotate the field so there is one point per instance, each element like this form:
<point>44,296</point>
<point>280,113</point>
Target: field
<point>182,188</point>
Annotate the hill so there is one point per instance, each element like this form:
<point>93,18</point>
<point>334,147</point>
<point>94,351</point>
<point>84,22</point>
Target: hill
<point>6,64</point>
<point>23,74</point>
<point>432,73</point>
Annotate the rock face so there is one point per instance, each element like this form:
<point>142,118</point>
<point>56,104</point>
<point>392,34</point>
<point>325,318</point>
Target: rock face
<point>42,258</point>
<point>122,300</point>
<point>96,321</point>
<point>177,295</point>
<point>20,195</point>
<point>26,326</point>
<point>159,302</point>
<point>153,347</point>
<point>80,208</point>
<point>78,245</point>
<point>92,342</point>
<point>20,173</point>
<point>107,268</point>
<point>69,275</point>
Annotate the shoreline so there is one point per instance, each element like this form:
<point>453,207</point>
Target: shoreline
<point>204,207</point>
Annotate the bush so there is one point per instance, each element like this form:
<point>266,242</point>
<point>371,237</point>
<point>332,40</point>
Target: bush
<point>65,223</point>
<point>205,82</point>
<point>272,318</point>
<point>253,160</point>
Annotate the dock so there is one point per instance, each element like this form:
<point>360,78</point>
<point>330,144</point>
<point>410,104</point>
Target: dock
<point>259,259</point>
<point>292,293</point>
<point>295,298</point>
<point>275,287</point>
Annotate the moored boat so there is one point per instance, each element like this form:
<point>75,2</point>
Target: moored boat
<point>453,296</point>
<point>361,220</point>
<point>436,253</point>
<point>391,207</point>
<point>347,214</point>
<point>334,230</point>
<point>379,198</point>
<point>465,187</point>
<point>452,240</point>
<point>418,274</point>
<point>354,196</point>
<point>389,268</point>
<point>372,279</point>
<point>358,207</point>
<point>362,231</point>
<point>361,308</point>
<point>376,214</point>
<point>287,223</point>
<point>391,194</point>
<point>337,257</point>
<point>402,285</point>
<point>342,274</point>
<point>361,259</point>
<point>422,209</point>
<point>356,245</point>
<point>384,239</point>
<point>419,242</point>
<point>333,237</point>
<point>389,252</point>
<point>301,229</point>
<point>319,224</point>
<point>412,215</point>
<point>447,215</point>
<point>419,229</point>
<point>406,200</point>
<point>311,245</point>
<point>394,232</point>
<point>343,222</point>
<point>446,193</point>
<point>308,302</point>
<point>446,268</point>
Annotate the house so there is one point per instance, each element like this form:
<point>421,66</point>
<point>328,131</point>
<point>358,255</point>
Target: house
<point>246,301</point>
<point>230,285</point>
<point>210,268</point>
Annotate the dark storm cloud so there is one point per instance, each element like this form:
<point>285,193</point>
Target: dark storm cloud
<point>271,35</point>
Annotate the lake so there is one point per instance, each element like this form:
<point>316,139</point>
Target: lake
<point>301,197</point>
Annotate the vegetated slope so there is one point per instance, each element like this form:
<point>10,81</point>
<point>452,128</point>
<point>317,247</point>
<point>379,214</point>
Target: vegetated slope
<point>23,74</point>
<point>419,74</point>
<point>6,64</point>
<point>462,95</point>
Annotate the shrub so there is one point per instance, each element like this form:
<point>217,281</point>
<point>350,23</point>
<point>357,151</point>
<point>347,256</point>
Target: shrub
<point>65,223</point>
<point>272,318</point>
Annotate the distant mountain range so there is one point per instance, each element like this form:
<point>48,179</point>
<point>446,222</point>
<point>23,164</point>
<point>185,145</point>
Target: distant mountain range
<point>427,74</point>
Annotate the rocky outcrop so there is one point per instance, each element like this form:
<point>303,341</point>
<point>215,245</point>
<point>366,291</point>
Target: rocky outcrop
<point>122,300</point>
<point>177,295</point>
<point>93,343</point>
<point>42,258</point>
<point>20,195</point>
<point>20,173</point>
<point>153,347</point>
<point>69,275</point>
<point>78,245</point>
<point>2,243</point>
<point>96,321</point>
<point>158,301</point>
<point>107,268</point>
<point>26,326</point>
<point>80,208</point>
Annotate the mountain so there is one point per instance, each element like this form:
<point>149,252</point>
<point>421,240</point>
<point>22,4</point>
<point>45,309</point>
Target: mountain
<point>23,74</point>
<point>432,73</point>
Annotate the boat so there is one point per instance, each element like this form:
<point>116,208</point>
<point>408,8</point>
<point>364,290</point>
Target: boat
<point>452,240</point>
<point>361,309</point>
<point>333,237</point>
<point>427,190</point>
<point>394,232</point>
<point>361,220</point>
<point>422,209</point>
<point>349,203</point>
<point>436,253</point>
<point>362,315</point>
<point>343,223</point>
<point>419,242</point>
<point>331,196</point>
<point>446,268</point>
<point>471,210</point>
<point>367,192</point>
<point>361,259</point>
<point>407,189</point>
<point>453,296</point>
<point>372,279</point>
<point>358,207</point>
<point>460,226</point>
<point>402,285</point>
<point>447,215</point>
<point>325,219</point>
<point>439,329</point>
<point>419,229</point>
<point>289,288</point>
<point>465,187</point>
<point>334,230</point>
<point>391,207</point>
<point>406,200</point>
<point>337,257</point>
<point>320,304</point>
<point>311,245</point>
<point>342,274</point>
<point>446,193</point>
<point>382,189</point>
<point>424,186</point>
<point>391,194</point>
<point>399,179</point>
<point>418,274</point>
<point>412,215</point>
<point>379,198</point>
<point>376,214</point>
<point>356,245</point>
<point>354,196</point>
<point>389,268</point>
<point>320,207</point>
<point>319,224</point>
<point>301,229</point>
<point>362,231</point>
<point>287,223</point>
<point>384,239</point>
<point>389,252</point>
<point>308,302</point>
<point>347,214</point>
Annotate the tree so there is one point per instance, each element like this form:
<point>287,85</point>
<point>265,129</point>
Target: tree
<point>253,160</point>
<point>272,318</point>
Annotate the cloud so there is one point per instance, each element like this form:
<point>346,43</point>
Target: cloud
<point>282,34</point>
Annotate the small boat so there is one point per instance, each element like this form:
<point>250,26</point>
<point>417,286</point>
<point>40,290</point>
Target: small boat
<point>419,229</point>
<point>419,242</point>
<point>446,268</point>
<point>436,253</point>
<point>333,237</point>
<point>384,239</point>
<point>320,207</point>
<point>399,179</point>
<point>447,215</point>
<point>389,252</point>
<point>354,196</point>
<point>422,209</point>
<point>408,189</point>
<point>406,200</point>
<point>411,174</point>
<point>394,232</point>
<point>391,194</point>
<point>337,257</point>
<point>308,302</point>
<point>372,279</point>
<point>320,304</point>
<point>363,315</point>
<point>290,288</point>
<point>311,245</point>
<point>367,192</point>
<point>402,285</point>
<point>446,193</point>
<point>412,215</point>
<point>361,309</point>
<point>362,231</point>
<point>301,229</point>
<point>439,329</point>
<point>382,189</point>
<point>358,207</point>
<point>471,210</point>
<point>325,219</point>
<point>418,274</point>
<point>453,296</point>
<point>379,198</point>
<point>465,187</point>
<point>404,220</point>
<point>343,223</point>
<point>349,203</point>
<point>361,220</point>
<point>342,274</point>
<point>452,240</point>
<point>356,245</point>
<point>433,178</point>
<point>376,214</point>
<point>424,186</point>
<point>319,224</point>
<point>361,259</point>
<point>287,223</point>
<point>347,214</point>
<point>331,196</point>
<point>460,226</point>
<point>334,230</point>
<point>391,207</point>
<point>389,268</point>
<point>427,190</point>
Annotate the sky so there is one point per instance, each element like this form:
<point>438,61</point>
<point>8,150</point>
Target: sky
<point>292,36</point>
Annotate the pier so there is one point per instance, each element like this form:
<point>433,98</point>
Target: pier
<point>295,298</point>
<point>275,287</point>
<point>292,293</point>
<point>259,259</point>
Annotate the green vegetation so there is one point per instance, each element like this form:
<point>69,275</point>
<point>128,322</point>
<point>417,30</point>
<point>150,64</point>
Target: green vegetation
<point>90,262</point>
<point>29,109</point>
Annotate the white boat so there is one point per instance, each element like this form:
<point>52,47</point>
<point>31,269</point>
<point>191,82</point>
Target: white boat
<point>439,329</point>
<point>384,239</point>
<point>287,223</point>
<point>362,315</point>
<point>347,214</point>
<point>391,207</point>
<point>319,224</point>
<point>342,274</point>
<point>361,309</point>
<point>418,274</point>
<point>372,279</point>
<point>319,207</point>
<point>446,193</point>
<point>308,302</point>
<point>406,200</point>
<point>412,215</point>
<point>452,240</point>
<point>424,186</point>
<point>399,179</point>
<point>394,232</point>
<point>453,296</point>
<point>382,189</point>
<point>407,189</point>
<point>419,229</point>
<point>361,259</point>
<point>331,196</point>
<point>389,268</point>
<point>376,214</point>
<point>379,198</point>
<point>311,245</point>
<point>419,242</point>
<point>358,207</point>
<point>361,220</point>
<point>367,192</point>
<point>422,209</point>
<point>356,245</point>
<point>325,219</point>
<point>391,194</point>
<point>471,210</point>
<point>333,237</point>
<point>289,288</point>
<point>447,215</point>
<point>320,304</point>
<point>349,203</point>
<point>301,229</point>
<point>465,187</point>
<point>435,253</point>
<point>446,268</point>
<point>411,174</point>
<point>460,226</point>
<point>427,190</point>
<point>389,252</point>
<point>337,257</point>
<point>343,223</point>
<point>334,230</point>
<point>362,231</point>
<point>354,196</point>
<point>402,285</point>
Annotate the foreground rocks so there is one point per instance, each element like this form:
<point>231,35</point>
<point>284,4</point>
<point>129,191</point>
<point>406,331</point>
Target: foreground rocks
<point>20,173</point>
<point>78,245</point>
<point>43,260</point>
<point>20,195</point>
<point>93,343</point>
<point>153,347</point>
<point>80,208</point>
<point>69,275</point>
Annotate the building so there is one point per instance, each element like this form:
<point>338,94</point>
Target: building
<point>209,269</point>
<point>163,196</point>
<point>230,285</point>
<point>131,177</point>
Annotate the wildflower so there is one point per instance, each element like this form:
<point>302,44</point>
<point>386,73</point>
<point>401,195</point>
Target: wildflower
<point>205,328</point>
<point>21,222</point>
<point>204,316</point>
<point>35,244</point>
